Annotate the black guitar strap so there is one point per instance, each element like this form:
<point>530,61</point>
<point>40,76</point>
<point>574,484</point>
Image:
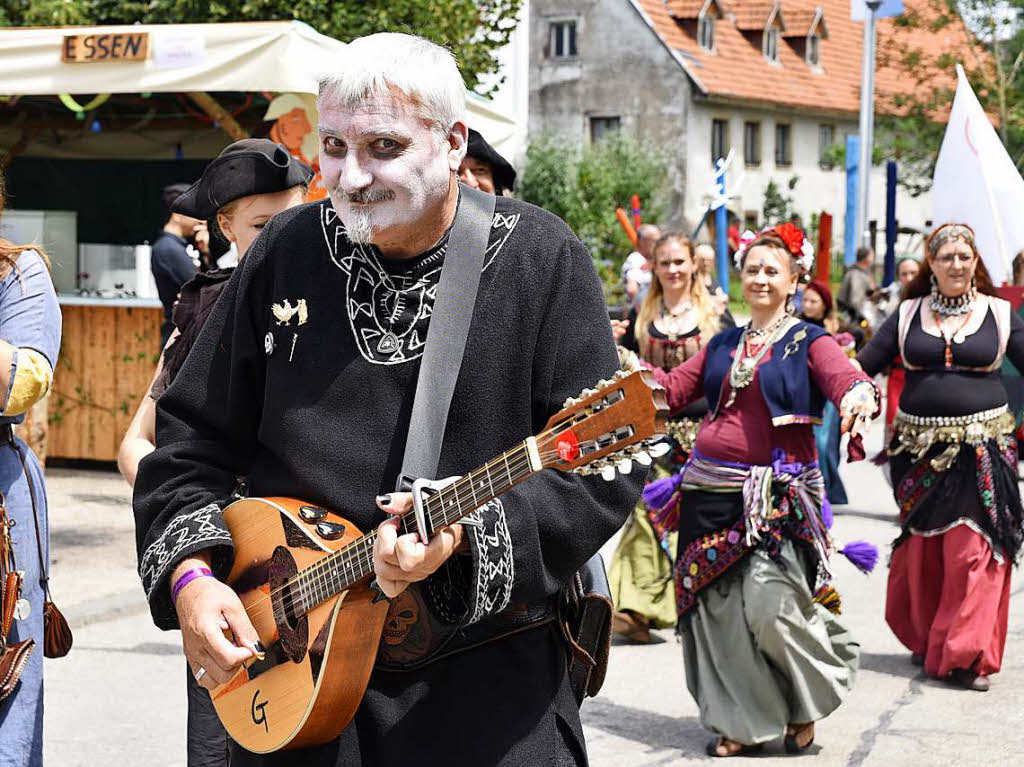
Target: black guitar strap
<point>447,334</point>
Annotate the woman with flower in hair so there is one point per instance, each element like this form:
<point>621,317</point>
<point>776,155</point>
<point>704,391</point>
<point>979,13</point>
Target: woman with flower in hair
<point>677,318</point>
<point>764,656</point>
<point>954,463</point>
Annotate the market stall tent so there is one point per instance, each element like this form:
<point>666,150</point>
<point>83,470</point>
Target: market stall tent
<point>279,56</point>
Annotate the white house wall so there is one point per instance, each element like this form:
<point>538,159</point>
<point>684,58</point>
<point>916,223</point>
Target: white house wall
<point>817,189</point>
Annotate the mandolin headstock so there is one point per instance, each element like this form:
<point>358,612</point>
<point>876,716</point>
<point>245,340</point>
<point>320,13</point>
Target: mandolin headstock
<point>608,427</point>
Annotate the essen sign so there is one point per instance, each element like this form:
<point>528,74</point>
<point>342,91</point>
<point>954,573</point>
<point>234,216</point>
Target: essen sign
<point>91,49</point>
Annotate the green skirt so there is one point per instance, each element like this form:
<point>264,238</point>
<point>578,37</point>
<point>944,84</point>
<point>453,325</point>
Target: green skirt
<point>761,654</point>
<point>641,573</point>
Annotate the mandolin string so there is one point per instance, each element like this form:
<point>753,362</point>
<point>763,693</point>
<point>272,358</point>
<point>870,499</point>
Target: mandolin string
<point>360,551</point>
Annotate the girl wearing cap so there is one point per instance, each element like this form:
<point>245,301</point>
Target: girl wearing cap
<point>244,187</point>
<point>764,656</point>
<point>954,463</point>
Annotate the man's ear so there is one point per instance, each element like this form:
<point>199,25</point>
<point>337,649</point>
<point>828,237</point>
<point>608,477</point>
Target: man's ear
<point>457,143</point>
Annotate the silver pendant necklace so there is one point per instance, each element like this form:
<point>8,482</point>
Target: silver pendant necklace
<point>741,373</point>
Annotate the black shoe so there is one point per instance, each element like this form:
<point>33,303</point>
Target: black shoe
<point>969,680</point>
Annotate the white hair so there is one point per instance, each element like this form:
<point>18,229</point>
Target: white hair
<point>377,64</point>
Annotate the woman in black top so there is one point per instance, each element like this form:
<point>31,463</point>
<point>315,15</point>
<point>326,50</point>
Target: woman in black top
<point>954,464</point>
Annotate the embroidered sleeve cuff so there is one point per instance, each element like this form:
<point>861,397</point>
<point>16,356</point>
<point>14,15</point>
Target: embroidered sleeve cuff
<point>468,589</point>
<point>184,535</point>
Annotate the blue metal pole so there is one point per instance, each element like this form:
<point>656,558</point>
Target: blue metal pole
<point>890,223</point>
<point>851,235</point>
<point>721,234</point>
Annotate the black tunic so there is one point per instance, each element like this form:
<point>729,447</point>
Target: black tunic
<point>952,497</point>
<point>315,404</point>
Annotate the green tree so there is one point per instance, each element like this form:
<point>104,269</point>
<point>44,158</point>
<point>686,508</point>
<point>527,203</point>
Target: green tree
<point>474,30</point>
<point>909,128</point>
<point>777,207</point>
<point>584,186</point>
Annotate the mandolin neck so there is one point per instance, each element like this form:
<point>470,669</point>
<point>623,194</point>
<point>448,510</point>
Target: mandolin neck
<point>349,565</point>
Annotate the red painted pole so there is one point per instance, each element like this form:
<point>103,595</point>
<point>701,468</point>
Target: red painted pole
<point>824,249</point>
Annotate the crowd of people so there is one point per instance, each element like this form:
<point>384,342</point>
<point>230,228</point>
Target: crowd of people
<point>729,541</point>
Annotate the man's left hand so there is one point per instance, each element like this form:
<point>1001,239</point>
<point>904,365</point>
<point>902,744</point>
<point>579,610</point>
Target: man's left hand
<point>399,560</point>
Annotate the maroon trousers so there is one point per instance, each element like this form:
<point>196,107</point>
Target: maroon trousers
<point>948,599</point>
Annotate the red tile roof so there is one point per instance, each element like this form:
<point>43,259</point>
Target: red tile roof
<point>751,17</point>
<point>685,9</point>
<point>738,70</point>
<point>799,21</point>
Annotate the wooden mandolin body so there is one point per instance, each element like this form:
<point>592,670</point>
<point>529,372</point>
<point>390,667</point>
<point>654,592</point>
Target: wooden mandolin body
<point>309,685</point>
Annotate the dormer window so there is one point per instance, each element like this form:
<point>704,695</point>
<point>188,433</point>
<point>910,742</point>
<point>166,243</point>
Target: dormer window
<point>814,50</point>
<point>771,45</point>
<point>805,30</point>
<point>706,31</point>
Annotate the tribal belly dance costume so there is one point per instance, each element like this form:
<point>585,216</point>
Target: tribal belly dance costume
<point>640,573</point>
<point>954,471</point>
<point>762,645</point>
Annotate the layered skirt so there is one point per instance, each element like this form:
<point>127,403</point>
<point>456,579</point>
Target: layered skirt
<point>761,653</point>
<point>955,481</point>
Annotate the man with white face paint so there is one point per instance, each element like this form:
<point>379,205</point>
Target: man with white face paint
<point>302,383</point>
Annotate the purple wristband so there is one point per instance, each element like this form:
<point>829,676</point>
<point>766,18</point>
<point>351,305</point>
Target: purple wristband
<point>186,578</point>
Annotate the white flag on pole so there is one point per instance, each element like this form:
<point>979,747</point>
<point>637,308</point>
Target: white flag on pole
<point>976,183</point>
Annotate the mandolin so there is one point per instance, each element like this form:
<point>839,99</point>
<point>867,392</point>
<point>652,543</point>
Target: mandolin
<point>304,573</point>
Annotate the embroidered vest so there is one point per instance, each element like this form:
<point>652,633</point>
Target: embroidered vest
<point>1000,313</point>
<point>785,380</point>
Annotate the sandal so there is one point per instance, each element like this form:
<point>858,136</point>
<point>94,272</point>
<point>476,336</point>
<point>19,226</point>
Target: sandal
<point>732,748</point>
<point>794,731</point>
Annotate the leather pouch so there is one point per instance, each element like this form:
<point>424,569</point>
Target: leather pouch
<point>585,616</point>
<point>57,639</point>
<point>13,660</point>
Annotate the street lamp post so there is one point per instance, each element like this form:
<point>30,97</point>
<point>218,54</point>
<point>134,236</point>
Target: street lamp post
<point>867,118</point>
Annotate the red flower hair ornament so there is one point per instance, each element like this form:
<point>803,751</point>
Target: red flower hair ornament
<point>792,235</point>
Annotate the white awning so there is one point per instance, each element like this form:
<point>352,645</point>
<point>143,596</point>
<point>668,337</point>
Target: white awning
<point>278,56</point>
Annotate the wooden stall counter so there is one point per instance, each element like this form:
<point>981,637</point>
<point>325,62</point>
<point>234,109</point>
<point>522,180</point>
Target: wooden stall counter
<point>108,354</point>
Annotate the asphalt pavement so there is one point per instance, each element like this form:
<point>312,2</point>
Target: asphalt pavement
<point>119,696</point>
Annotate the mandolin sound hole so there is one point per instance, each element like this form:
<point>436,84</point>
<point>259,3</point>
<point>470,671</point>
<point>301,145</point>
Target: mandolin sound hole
<point>289,609</point>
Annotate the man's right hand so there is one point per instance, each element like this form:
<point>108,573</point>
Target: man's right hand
<point>209,612</point>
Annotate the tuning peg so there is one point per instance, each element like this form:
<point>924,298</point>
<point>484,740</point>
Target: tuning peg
<point>603,383</point>
<point>620,374</point>
<point>586,393</point>
<point>642,457</point>
<point>625,465</point>
<point>608,473</point>
<point>569,401</point>
<point>659,449</point>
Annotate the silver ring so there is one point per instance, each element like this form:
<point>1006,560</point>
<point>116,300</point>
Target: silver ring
<point>200,673</point>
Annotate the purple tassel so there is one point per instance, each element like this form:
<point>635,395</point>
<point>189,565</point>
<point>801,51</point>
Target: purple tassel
<point>826,513</point>
<point>862,555</point>
<point>658,493</point>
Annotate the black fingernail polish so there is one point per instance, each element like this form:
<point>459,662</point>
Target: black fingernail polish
<point>384,500</point>
<point>259,646</point>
